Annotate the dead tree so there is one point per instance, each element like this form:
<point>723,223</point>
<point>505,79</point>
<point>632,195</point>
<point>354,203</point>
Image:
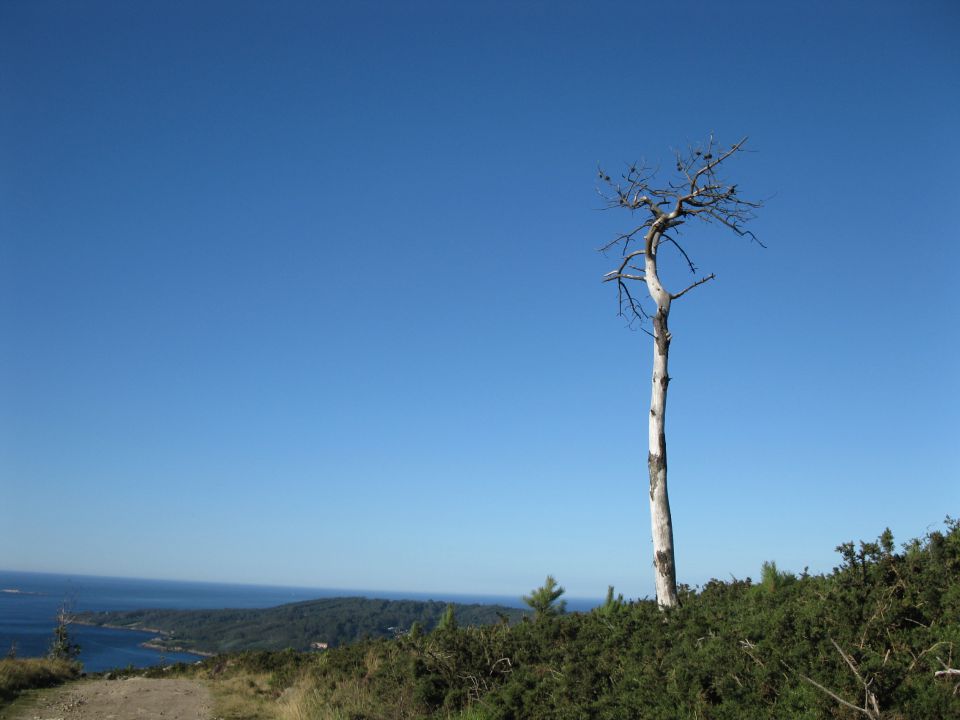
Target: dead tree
<point>696,192</point>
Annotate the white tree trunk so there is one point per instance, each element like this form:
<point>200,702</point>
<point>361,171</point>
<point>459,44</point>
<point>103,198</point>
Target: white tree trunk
<point>665,573</point>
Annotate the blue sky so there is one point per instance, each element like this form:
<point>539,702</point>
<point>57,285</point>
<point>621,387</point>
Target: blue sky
<point>308,293</point>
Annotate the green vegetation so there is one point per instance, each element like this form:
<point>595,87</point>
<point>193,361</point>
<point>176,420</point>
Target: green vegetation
<point>334,621</point>
<point>18,675</point>
<point>62,647</point>
<point>545,600</point>
<point>870,634</point>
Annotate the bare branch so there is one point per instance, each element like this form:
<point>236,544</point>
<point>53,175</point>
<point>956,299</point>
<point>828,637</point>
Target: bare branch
<point>621,276</point>
<point>618,273</point>
<point>693,268</point>
<point>630,308</point>
<point>871,708</point>
<point>916,658</point>
<point>698,192</point>
<point>627,237</point>
<point>712,164</point>
<point>948,672</point>
<point>701,281</point>
<point>846,659</point>
<point>839,699</point>
<point>749,648</point>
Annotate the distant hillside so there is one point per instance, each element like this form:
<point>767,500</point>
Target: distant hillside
<point>334,621</point>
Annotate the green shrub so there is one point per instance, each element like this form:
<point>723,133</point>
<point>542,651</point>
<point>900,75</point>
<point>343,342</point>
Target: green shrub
<point>882,620</point>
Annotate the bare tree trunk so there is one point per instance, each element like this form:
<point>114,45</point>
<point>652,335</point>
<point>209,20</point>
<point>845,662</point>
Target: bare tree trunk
<point>665,572</point>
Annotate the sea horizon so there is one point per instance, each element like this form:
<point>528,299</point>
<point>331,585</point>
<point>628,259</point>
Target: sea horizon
<point>574,604</point>
<point>29,602</point>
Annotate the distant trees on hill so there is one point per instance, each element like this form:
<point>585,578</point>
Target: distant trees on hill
<point>334,621</point>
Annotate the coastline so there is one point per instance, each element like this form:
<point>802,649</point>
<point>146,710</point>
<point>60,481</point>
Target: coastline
<point>158,647</point>
<point>87,623</point>
<point>157,644</point>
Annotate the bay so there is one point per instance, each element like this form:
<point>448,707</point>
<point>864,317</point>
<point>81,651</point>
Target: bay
<point>29,604</point>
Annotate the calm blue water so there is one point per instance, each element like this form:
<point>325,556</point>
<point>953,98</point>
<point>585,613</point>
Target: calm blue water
<point>27,617</point>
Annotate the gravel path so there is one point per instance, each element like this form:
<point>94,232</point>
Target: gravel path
<point>131,699</point>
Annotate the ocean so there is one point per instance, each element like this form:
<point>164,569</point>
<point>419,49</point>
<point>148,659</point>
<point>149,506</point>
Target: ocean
<point>29,604</point>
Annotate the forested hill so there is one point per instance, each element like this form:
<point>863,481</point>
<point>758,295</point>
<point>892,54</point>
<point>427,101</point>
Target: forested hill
<point>335,621</point>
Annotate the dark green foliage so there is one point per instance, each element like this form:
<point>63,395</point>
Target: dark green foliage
<point>612,605</point>
<point>731,650</point>
<point>334,621</point>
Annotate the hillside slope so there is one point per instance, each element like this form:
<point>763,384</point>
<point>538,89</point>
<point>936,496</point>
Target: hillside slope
<point>334,621</point>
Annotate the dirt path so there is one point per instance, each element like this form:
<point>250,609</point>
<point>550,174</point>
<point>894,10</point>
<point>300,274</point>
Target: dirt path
<point>131,699</point>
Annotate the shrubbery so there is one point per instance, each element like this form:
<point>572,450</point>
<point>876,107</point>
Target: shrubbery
<point>870,634</point>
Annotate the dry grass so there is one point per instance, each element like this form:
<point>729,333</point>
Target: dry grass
<point>18,675</point>
<point>243,697</point>
<point>348,699</point>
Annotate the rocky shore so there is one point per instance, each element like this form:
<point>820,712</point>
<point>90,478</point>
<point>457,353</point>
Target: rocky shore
<point>158,643</point>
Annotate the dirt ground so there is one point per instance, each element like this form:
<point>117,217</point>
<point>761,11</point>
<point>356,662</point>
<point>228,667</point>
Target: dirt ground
<point>131,699</point>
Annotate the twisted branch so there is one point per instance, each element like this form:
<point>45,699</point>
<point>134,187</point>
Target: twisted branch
<point>696,191</point>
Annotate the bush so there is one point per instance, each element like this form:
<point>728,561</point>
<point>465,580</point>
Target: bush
<point>881,623</point>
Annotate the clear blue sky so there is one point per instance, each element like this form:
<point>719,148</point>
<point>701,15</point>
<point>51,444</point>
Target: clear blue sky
<point>306,293</point>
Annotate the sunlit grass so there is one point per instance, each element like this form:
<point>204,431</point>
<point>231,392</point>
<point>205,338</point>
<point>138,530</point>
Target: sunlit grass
<point>346,699</point>
<point>243,696</point>
<point>18,675</point>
